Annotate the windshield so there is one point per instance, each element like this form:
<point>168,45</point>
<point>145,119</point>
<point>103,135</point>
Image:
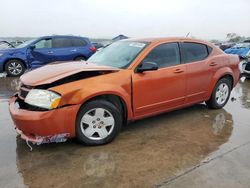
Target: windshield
<point>119,54</point>
<point>4,45</point>
<point>242,45</point>
<point>28,42</point>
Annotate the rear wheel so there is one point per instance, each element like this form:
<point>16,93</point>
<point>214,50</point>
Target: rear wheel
<point>221,94</point>
<point>80,58</point>
<point>14,68</point>
<point>98,122</point>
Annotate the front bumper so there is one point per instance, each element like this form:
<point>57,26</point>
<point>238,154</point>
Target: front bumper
<point>45,126</point>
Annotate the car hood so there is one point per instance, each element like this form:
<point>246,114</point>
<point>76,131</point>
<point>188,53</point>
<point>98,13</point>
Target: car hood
<point>239,51</point>
<point>9,50</point>
<point>59,70</point>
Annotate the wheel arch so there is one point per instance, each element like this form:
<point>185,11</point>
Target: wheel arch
<point>230,77</point>
<point>218,76</point>
<point>19,59</point>
<point>115,99</point>
<point>80,56</point>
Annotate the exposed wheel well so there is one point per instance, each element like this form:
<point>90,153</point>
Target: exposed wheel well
<point>228,76</point>
<point>14,59</point>
<point>115,100</point>
<point>80,56</point>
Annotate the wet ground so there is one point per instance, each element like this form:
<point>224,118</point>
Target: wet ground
<point>193,147</point>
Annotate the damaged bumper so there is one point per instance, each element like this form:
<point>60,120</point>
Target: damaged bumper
<point>44,126</point>
<point>43,139</point>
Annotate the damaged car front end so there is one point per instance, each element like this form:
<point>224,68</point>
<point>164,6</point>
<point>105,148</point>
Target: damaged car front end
<point>40,113</point>
<point>38,117</point>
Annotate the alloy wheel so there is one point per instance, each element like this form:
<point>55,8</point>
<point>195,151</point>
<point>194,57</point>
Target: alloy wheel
<point>97,124</point>
<point>222,93</point>
<point>15,68</point>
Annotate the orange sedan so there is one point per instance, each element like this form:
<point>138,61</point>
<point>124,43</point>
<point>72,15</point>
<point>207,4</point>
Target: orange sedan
<point>128,80</point>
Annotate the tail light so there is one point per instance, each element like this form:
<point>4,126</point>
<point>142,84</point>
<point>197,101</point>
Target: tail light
<point>93,49</point>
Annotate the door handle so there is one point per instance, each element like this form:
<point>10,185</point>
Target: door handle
<point>73,50</point>
<point>212,64</point>
<point>178,71</point>
<point>50,52</point>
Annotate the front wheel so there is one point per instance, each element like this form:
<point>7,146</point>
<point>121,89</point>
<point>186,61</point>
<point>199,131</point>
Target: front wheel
<point>98,122</point>
<point>220,95</point>
<point>14,68</point>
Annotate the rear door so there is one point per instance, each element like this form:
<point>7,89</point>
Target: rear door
<point>63,49</point>
<point>199,70</point>
<point>162,89</point>
<point>81,48</point>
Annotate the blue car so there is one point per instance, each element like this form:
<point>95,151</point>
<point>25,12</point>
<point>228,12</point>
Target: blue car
<point>241,49</point>
<point>37,52</point>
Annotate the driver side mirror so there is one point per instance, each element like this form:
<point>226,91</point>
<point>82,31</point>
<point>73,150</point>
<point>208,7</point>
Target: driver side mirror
<point>147,66</point>
<point>32,47</point>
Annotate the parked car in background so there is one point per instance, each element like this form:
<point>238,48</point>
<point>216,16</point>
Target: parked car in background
<point>41,51</point>
<point>16,42</point>
<point>5,45</point>
<point>119,37</point>
<point>243,50</point>
<point>98,45</point>
<point>227,45</point>
<point>245,68</point>
<point>128,80</point>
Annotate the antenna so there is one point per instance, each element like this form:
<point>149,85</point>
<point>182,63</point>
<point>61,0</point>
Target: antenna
<point>187,34</point>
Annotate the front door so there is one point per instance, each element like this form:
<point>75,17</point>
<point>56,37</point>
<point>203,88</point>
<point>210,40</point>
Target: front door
<point>42,53</point>
<point>163,89</point>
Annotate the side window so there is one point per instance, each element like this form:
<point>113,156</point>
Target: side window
<point>61,43</point>
<point>193,52</point>
<point>78,42</point>
<point>164,55</point>
<point>209,49</point>
<point>44,43</point>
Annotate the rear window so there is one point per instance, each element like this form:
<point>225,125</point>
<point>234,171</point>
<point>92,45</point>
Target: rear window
<point>193,52</point>
<point>61,43</point>
<point>78,42</point>
<point>209,49</point>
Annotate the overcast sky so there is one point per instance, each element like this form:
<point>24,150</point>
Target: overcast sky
<point>207,19</point>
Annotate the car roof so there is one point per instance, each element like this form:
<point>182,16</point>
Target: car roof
<point>168,39</point>
<point>66,36</point>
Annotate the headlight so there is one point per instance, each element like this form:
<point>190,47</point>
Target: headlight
<point>43,98</point>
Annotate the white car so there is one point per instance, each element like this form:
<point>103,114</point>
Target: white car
<point>245,68</point>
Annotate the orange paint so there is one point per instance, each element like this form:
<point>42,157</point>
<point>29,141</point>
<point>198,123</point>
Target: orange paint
<point>144,94</point>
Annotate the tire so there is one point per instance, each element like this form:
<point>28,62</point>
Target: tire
<point>98,122</point>
<point>80,58</point>
<point>247,76</point>
<point>14,68</point>
<point>221,94</point>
